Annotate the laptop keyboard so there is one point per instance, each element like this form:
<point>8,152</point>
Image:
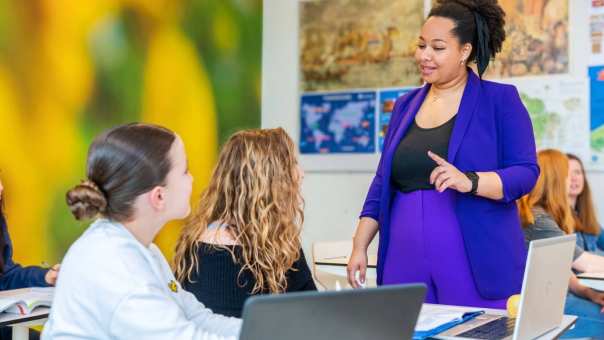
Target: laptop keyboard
<point>496,329</point>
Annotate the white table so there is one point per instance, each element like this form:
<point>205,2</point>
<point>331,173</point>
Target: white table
<point>21,323</point>
<point>337,265</point>
<point>567,322</point>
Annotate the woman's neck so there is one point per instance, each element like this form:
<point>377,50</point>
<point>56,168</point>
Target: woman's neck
<point>457,84</point>
<point>143,230</point>
<point>573,202</point>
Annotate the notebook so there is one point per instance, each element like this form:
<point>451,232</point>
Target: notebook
<point>435,319</point>
<point>24,301</point>
<point>592,280</point>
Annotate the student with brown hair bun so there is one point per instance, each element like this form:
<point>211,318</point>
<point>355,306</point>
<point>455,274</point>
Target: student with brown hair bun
<point>244,238</point>
<point>545,212</point>
<point>115,283</point>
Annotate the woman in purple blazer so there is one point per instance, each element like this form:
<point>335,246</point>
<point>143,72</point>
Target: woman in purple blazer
<point>458,153</point>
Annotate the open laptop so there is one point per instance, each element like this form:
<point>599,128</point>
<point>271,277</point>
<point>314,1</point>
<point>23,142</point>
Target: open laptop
<point>541,306</point>
<point>385,313</point>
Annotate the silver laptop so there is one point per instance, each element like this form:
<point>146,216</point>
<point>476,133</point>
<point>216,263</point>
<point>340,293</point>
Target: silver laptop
<point>385,313</point>
<point>541,306</point>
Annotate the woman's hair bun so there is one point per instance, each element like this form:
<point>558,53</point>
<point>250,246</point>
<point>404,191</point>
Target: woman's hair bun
<point>478,22</point>
<point>86,200</point>
<point>494,17</point>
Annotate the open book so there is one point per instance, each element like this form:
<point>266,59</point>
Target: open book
<point>592,280</point>
<point>24,301</point>
<point>435,319</point>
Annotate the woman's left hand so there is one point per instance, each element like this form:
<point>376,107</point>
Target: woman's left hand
<point>446,176</point>
<point>52,274</point>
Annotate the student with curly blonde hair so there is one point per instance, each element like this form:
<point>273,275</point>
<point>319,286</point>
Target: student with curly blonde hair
<point>244,238</point>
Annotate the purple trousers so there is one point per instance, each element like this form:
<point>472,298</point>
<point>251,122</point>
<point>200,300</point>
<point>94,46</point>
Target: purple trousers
<point>426,246</point>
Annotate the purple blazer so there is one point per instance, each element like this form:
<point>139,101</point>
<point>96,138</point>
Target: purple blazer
<point>492,132</point>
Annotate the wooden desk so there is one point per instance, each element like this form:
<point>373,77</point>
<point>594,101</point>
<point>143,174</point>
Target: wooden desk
<point>567,322</point>
<point>21,323</point>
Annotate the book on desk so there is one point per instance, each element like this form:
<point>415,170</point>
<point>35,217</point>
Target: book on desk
<point>592,280</point>
<point>435,319</point>
<point>25,300</point>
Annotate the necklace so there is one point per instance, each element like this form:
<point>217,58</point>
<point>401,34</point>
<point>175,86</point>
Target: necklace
<point>436,97</point>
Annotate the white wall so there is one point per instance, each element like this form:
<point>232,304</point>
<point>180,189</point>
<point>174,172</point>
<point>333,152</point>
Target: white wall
<point>334,198</point>
<point>579,55</point>
<point>596,181</point>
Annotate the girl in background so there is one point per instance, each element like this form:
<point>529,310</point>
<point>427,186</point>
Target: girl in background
<point>15,276</point>
<point>545,212</point>
<point>588,230</point>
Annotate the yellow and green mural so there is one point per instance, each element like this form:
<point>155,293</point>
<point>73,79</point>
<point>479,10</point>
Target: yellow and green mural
<point>71,68</point>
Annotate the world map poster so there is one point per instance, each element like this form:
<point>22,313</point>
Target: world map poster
<point>338,123</point>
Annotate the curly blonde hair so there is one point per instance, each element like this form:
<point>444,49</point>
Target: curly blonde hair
<point>255,191</point>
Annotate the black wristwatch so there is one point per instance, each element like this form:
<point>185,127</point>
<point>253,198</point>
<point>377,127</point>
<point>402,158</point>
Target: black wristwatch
<point>473,176</point>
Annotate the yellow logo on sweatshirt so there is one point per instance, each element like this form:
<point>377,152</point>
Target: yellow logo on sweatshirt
<point>173,286</point>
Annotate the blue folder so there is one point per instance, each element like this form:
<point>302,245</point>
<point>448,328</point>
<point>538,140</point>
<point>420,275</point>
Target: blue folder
<point>420,335</point>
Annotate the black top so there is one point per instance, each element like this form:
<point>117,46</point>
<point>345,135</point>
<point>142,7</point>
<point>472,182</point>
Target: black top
<point>215,284</point>
<point>411,166</point>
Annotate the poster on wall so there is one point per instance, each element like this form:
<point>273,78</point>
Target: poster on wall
<point>349,51</point>
<point>352,44</point>
<point>387,98</point>
<point>338,123</point>
<point>596,75</point>
<point>352,47</point>
<point>596,32</point>
<point>558,109</point>
<point>536,39</point>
